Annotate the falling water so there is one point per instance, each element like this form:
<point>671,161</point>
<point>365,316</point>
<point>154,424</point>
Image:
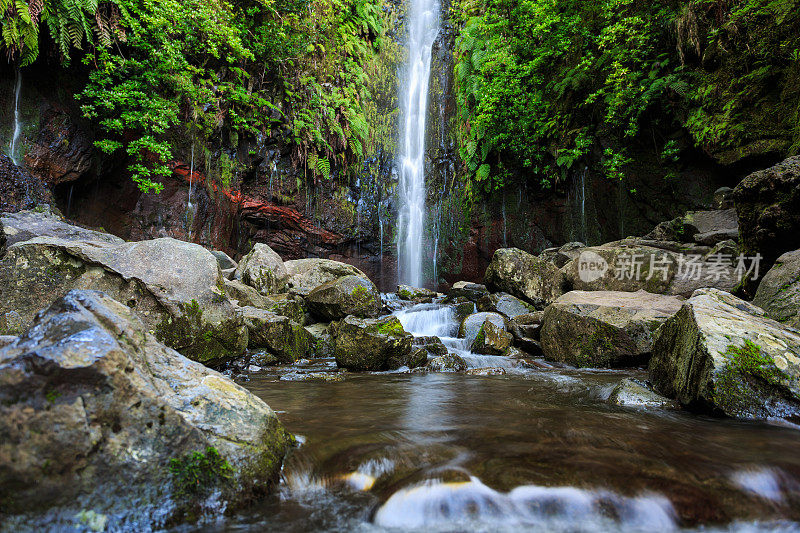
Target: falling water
<point>505,228</point>
<point>189,205</point>
<point>423,25</point>
<point>17,125</point>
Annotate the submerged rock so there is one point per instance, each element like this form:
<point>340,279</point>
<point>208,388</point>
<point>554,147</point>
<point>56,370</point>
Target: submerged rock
<point>373,344</point>
<point>604,329</point>
<point>282,336</point>
<point>525,276</point>
<point>99,417</point>
<point>263,269</point>
<point>175,287</point>
<point>305,275</point>
<point>720,353</point>
<point>779,291</point>
<point>348,295</point>
<point>634,393</point>
<point>447,363</point>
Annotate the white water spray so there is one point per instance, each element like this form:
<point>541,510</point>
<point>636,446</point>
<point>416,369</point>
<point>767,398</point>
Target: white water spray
<point>423,25</point>
<point>12,152</point>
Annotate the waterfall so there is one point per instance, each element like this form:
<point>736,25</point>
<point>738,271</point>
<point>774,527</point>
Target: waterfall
<point>189,205</point>
<point>423,25</point>
<point>17,125</point>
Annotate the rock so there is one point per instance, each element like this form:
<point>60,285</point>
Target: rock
<point>462,308</point>
<point>721,354</point>
<point>417,358</point>
<point>447,363</point>
<point>263,269</point>
<point>711,227</point>
<point>672,268</point>
<point>281,304</point>
<point>471,325</point>
<point>5,340</point>
<point>173,286</point>
<point>562,255</point>
<point>97,416</point>
<point>283,337</point>
<point>723,198</point>
<point>264,359</point>
<point>493,371</point>
<point>26,225</point>
<point>306,275</point>
<point>525,276</point>
<point>406,292</point>
<point>526,330</point>
<point>466,290</point>
<point>19,189</point>
<point>491,340</point>
<point>372,344</point>
<point>432,345</point>
<point>322,341</point>
<point>778,293</point>
<point>635,393</point>
<point>224,260</point>
<point>348,295</point>
<point>505,304</point>
<point>604,329</point>
<point>768,205</point>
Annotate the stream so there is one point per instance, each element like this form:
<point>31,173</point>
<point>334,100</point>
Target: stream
<point>531,449</point>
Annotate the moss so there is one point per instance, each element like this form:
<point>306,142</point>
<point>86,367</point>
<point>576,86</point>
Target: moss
<point>391,327</point>
<point>197,474</point>
<point>480,338</point>
<point>593,349</point>
<point>748,377</point>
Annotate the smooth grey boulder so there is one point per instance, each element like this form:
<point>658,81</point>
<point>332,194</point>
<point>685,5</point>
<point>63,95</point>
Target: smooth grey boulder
<point>99,418</point>
<point>471,325</point>
<point>364,344</point>
<point>711,227</point>
<point>722,354</point>
<point>305,275</point>
<point>505,304</point>
<point>175,287</point>
<point>26,225</point>
<point>263,269</point>
<point>282,336</point>
<point>604,329</point>
<point>634,393</point>
<point>224,261</point>
<point>525,276</point>
<point>779,290</point>
<point>348,295</point>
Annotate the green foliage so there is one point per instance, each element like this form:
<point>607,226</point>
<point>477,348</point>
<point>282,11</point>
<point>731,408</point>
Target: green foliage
<point>197,474</point>
<point>544,84</point>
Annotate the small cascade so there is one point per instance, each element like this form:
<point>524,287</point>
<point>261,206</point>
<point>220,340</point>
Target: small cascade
<point>12,152</point>
<point>423,26</point>
<point>189,205</point>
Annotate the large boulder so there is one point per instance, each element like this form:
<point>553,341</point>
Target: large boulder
<point>471,325</point>
<point>349,295</point>
<point>175,287</point>
<point>305,275</point>
<point>26,225</point>
<point>779,291</point>
<point>466,291</point>
<point>633,264</point>
<point>604,329</point>
<point>263,269</point>
<point>491,339</point>
<point>721,354</point>
<point>711,227</point>
<point>525,276</point>
<point>372,344</point>
<point>768,205</point>
<point>505,304</point>
<point>101,420</point>
<point>282,336</point>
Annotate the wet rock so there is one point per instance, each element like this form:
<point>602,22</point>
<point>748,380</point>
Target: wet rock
<point>283,337</point>
<point>467,291</point>
<point>779,291</point>
<point>174,286</point>
<point>491,340</point>
<point>505,304</point>
<point>5,340</point>
<point>264,359</point>
<point>97,416</point>
<point>526,330</point>
<point>19,189</point>
<point>495,371</point>
<point>263,269</point>
<point>711,227</point>
<point>372,344</point>
<point>26,225</point>
<point>406,292</point>
<point>462,308</point>
<point>604,329</point>
<point>723,198</point>
<point>432,345</point>
<point>322,340</point>
<point>634,393</point>
<point>348,295</point>
<point>447,363</point>
<point>306,275</point>
<point>525,276</point>
<point>721,354</point>
<point>768,206</point>
<point>418,357</point>
<point>472,324</point>
<point>562,255</point>
<point>634,264</point>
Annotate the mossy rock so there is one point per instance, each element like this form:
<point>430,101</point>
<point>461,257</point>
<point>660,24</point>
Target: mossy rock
<point>373,344</point>
<point>349,295</point>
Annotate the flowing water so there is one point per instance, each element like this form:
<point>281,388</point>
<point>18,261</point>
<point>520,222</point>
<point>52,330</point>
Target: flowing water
<point>532,449</point>
<point>423,25</point>
<point>12,148</point>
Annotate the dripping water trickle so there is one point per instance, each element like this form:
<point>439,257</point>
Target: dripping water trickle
<point>423,25</point>
<point>17,123</point>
